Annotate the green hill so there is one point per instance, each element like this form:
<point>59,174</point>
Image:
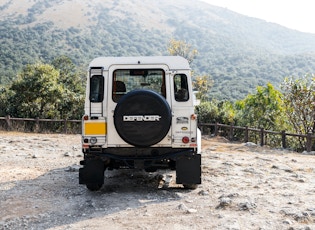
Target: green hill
<point>238,52</point>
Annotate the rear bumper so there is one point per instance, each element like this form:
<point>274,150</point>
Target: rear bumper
<point>186,162</point>
<point>138,153</point>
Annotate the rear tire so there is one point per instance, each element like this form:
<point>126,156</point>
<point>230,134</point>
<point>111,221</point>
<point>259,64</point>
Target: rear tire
<point>190,186</point>
<point>94,187</point>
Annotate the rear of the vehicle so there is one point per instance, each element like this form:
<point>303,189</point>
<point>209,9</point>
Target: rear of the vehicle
<point>139,114</point>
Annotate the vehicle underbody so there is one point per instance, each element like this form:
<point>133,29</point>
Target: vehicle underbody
<point>186,162</point>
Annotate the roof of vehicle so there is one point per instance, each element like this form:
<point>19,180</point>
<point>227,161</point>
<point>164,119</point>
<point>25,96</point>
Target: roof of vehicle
<point>173,62</point>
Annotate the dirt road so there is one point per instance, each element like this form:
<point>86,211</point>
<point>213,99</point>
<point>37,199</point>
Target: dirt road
<point>243,187</point>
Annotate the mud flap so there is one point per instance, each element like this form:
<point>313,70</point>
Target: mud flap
<point>92,172</point>
<point>188,169</point>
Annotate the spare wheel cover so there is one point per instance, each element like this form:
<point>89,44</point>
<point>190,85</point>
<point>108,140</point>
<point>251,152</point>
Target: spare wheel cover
<point>142,118</point>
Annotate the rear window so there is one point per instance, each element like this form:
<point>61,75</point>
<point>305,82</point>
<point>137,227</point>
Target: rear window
<point>126,80</point>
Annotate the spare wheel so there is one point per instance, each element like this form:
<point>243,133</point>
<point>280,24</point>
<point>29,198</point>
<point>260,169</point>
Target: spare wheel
<point>142,118</point>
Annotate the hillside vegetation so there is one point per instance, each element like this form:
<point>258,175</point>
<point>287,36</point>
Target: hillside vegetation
<point>238,52</point>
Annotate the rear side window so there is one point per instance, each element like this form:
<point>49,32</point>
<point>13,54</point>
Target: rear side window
<point>97,88</point>
<point>181,87</point>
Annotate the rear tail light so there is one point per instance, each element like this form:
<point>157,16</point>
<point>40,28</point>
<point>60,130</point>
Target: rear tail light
<point>185,140</point>
<point>85,117</point>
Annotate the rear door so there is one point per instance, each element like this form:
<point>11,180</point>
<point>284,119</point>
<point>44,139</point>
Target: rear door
<point>135,77</point>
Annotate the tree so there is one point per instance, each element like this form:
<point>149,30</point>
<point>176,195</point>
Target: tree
<point>299,100</point>
<point>202,85</point>
<point>214,111</point>
<point>183,49</point>
<point>208,112</point>
<point>36,92</point>
<point>71,106</point>
<point>264,109</point>
<point>65,67</point>
<point>46,91</point>
<point>227,112</point>
<point>4,95</point>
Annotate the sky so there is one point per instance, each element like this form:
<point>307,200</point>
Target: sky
<point>294,14</point>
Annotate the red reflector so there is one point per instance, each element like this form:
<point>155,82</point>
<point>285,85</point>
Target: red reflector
<point>185,140</point>
<point>193,117</point>
<point>85,117</point>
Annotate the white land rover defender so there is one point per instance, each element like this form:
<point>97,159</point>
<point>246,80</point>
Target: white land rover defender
<point>139,114</point>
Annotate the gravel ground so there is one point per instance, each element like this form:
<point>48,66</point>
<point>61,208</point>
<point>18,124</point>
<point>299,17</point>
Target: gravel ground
<point>243,187</point>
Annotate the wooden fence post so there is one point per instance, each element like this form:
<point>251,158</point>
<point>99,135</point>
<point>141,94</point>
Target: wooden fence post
<point>7,119</point>
<point>202,129</point>
<point>216,129</point>
<point>246,134</point>
<point>37,124</point>
<point>309,142</point>
<point>65,126</point>
<point>231,133</point>
<point>262,141</point>
<point>283,135</point>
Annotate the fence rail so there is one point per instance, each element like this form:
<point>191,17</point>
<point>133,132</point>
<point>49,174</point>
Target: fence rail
<point>231,129</point>
<point>40,125</point>
<point>74,126</point>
